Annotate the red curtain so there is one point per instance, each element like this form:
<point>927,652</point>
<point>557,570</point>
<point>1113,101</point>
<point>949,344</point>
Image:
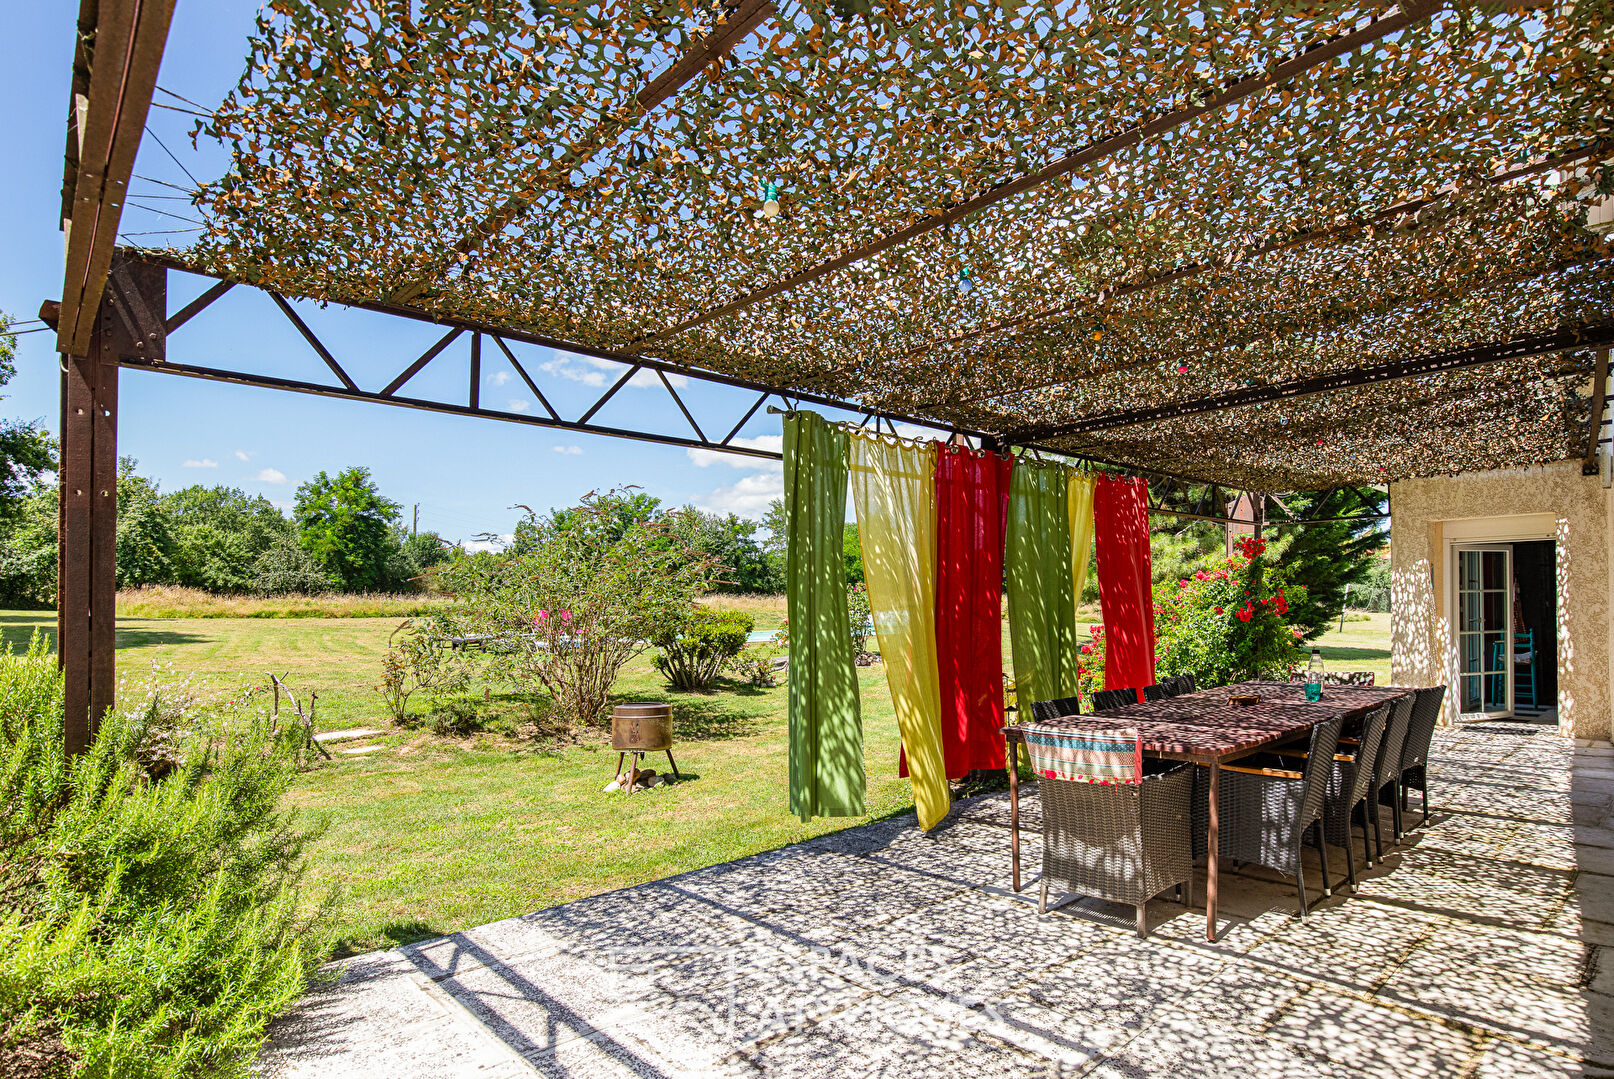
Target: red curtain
<point>1125,584</point>
<point>972,501</point>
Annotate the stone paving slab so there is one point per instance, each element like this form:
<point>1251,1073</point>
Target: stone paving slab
<point>1482,947</point>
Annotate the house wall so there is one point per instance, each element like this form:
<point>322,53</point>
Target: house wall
<point>1556,502</point>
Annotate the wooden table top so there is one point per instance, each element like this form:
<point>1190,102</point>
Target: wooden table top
<point>1202,726</point>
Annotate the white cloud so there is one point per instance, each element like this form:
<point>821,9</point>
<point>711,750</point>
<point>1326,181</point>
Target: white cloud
<point>270,475</point>
<point>771,443</point>
<point>500,378</point>
<point>599,373</point>
<point>205,462</point>
<point>517,405</point>
<point>569,449</point>
<point>748,498</point>
<point>497,544</point>
<point>243,455</point>
<point>566,367</point>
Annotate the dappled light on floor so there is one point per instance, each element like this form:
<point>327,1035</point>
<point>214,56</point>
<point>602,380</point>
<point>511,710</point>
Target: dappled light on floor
<point>1474,950</point>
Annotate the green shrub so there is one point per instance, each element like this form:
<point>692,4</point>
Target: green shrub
<point>1221,625</point>
<point>148,927</point>
<point>755,664</point>
<point>860,621</point>
<point>695,655</point>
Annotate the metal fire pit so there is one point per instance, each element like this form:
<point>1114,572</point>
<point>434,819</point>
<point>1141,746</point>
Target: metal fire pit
<point>639,728</point>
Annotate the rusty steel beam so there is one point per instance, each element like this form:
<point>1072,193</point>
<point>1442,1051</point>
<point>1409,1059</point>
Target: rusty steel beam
<point>1401,215</point>
<point>125,46</point>
<point>739,19</point>
<point>1433,363</point>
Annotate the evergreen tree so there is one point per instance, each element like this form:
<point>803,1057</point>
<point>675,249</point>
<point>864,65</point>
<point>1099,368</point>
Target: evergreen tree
<point>1326,556</point>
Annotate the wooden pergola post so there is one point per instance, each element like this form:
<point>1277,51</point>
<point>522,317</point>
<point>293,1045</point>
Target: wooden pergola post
<point>129,323</point>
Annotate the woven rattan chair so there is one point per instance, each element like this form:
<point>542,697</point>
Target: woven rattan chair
<point>1387,771</point>
<point>1156,692</point>
<point>1043,711</point>
<point>1350,784</point>
<point>1415,753</point>
<point>1126,842</point>
<point>1178,684</point>
<point>1268,811</point>
<point>1113,698</point>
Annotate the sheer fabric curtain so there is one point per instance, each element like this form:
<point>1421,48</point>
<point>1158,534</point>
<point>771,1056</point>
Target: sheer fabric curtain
<point>1042,607</point>
<point>894,493</point>
<point>971,493</point>
<point>826,727</point>
<point>1079,507</point>
<point>1125,581</point>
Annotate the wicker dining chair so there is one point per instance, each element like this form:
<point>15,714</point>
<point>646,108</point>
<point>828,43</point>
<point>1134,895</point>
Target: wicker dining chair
<point>1387,772</point>
<point>1268,811</point>
<point>1350,783</point>
<point>1415,753</point>
<point>1156,692</point>
<point>1125,840</point>
<point>1044,711</point>
<point>1178,684</point>
<point>1113,698</point>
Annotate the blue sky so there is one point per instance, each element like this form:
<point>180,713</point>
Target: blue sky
<point>464,473</point>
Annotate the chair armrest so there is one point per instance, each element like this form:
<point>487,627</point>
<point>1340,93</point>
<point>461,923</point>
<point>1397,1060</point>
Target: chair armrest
<point>1262,771</point>
<point>1345,757</point>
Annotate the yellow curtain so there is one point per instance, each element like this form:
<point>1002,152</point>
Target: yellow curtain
<point>894,493</point>
<point>1079,504</point>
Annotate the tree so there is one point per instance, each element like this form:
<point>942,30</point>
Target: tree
<point>146,546</point>
<point>348,528</point>
<point>1325,556</point>
<point>728,540</point>
<point>26,452</point>
<point>580,597</point>
<point>220,533</point>
<point>852,554</point>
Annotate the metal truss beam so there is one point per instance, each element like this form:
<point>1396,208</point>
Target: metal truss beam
<point>1432,363</point>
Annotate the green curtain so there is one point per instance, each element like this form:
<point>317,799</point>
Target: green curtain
<point>826,726</point>
<point>1042,603</point>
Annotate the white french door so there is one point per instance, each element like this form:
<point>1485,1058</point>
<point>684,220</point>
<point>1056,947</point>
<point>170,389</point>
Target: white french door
<point>1484,631</point>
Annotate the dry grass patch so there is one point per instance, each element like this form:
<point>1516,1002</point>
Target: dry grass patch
<point>172,601</point>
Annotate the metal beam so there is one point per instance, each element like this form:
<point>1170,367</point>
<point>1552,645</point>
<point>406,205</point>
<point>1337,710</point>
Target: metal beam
<point>1402,215</point>
<point>1434,363</point>
<point>125,51</point>
<point>739,18</point>
<point>1395,20</point>
<point>1594,427</point>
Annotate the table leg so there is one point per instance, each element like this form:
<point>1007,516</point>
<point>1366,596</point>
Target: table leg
<point>1014,811</point>
<point>1212,847</point>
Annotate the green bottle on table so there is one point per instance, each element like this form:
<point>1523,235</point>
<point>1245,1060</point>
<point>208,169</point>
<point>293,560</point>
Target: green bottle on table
<point>1314,677</point>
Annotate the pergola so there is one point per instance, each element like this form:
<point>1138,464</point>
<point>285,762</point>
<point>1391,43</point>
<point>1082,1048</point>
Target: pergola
<point>1222,244</point>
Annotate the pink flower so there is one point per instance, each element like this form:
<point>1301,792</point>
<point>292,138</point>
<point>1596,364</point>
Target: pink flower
<point>541,616</point>
<point>1086,648</point>
<point>1183,583</point>
<point>566,615</point>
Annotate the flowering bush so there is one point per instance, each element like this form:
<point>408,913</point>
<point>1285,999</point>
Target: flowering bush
<point>1221,625</point>
<point>858,617</point>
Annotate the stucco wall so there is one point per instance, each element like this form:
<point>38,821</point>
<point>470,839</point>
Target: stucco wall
<point>1426,512</point>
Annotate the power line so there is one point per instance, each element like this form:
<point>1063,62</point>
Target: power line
<point>182,97</point>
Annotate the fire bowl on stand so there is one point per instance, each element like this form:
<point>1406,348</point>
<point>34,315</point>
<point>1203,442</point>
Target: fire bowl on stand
<point>636,729</point>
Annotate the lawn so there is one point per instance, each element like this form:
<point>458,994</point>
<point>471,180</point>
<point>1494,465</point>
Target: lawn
<point>432,834</point>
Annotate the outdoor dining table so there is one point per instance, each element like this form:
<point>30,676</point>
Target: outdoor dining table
<point>1203,727</point>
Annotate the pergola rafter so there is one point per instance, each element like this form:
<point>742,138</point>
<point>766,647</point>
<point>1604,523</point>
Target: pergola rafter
<point>1314,55</point>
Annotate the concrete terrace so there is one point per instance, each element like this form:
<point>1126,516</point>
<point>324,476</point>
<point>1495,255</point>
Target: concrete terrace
<point>1481,949</point>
